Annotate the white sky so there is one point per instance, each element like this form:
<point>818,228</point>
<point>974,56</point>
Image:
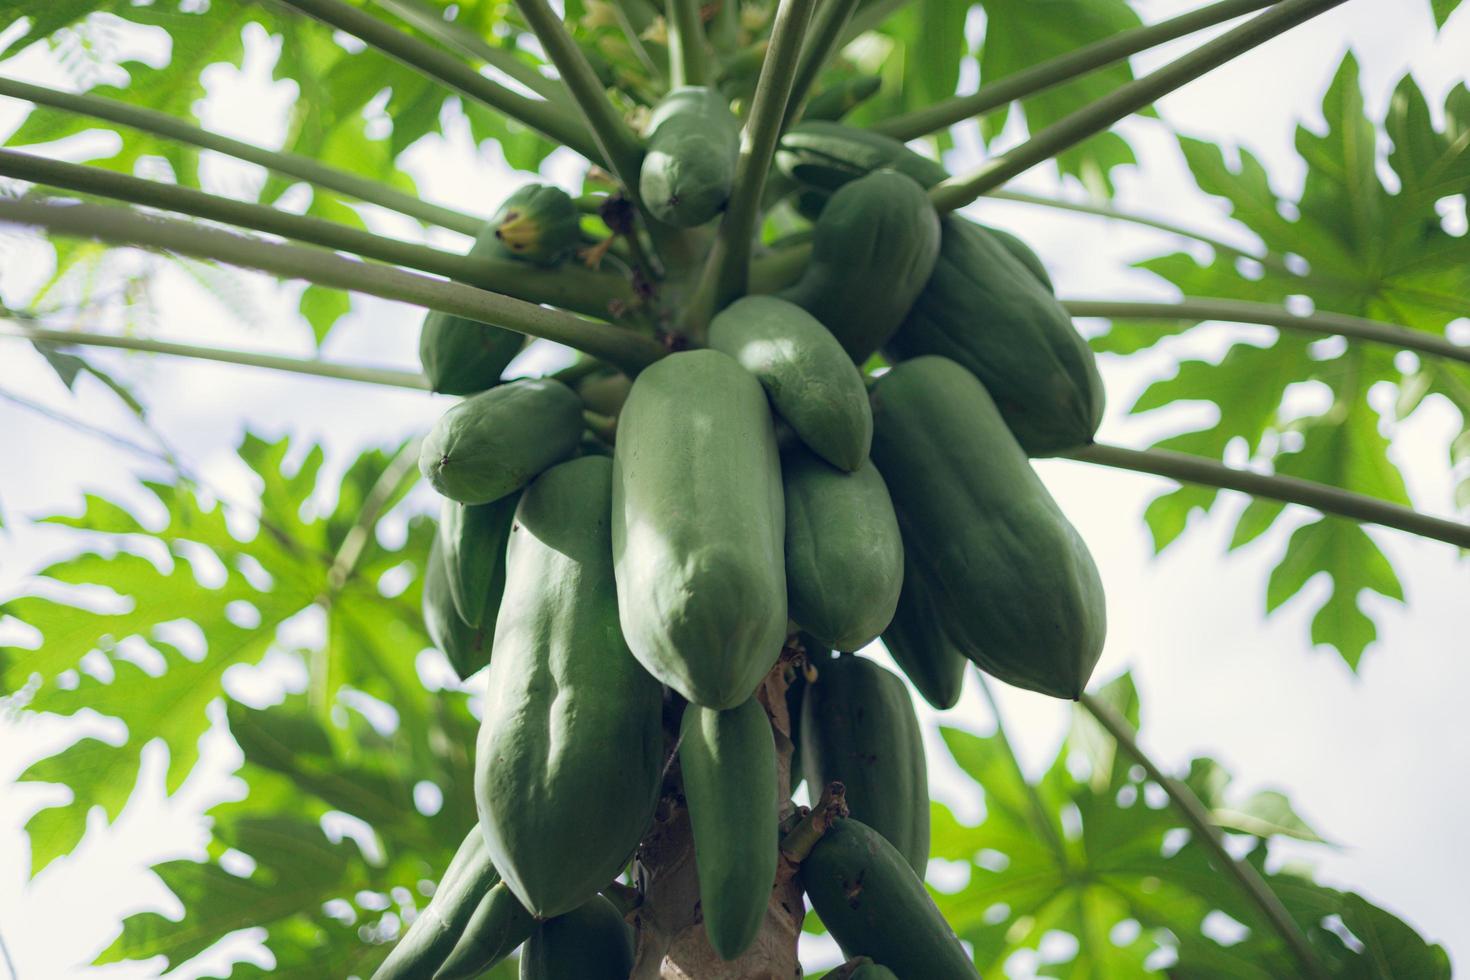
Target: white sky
<point>1375,761</point>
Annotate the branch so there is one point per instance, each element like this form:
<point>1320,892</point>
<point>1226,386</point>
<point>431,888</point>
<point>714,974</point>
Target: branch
<point>1194,813</point>
<point>826,29</point>
<point>686,43</point>
<point>291,164</point>
<point>1239,311</point>
<point>617,143</point>
<point>571,287</point>
<point>1070,130</point>
<point>549,119</point>
<point>121,226</point>
<point>730,256</point>
<point>1039,78</point>
<point>276,362</point>
<point>1287,489</point>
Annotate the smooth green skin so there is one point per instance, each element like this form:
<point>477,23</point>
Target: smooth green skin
<point>813,384</point>
<point>916,641</point>
<point>605,393</point>
<point>873,971</point>
<point>466,646</point>
<point>591,942</point>
<point>499,924</point>
<point>423,948</point>
<point>844,554</point>
<point>728,761</point>
<point>986,310</point>
<point>698,527</point>
<point>874,905</point>
<point>1023,254</point>
<point>472,538</point>
<point>1013,583</point>
<point>462,356</point>
<point>858,727</point>
<point>569,759</point>
<point>873,249</point>
<point>828,155</point>
<point>689,167</point>
<point>833,103</point>
<point>493,443</point>
<point>538,223</point>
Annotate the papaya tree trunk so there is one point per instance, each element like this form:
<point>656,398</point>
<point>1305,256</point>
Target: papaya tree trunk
<point>672,944</point>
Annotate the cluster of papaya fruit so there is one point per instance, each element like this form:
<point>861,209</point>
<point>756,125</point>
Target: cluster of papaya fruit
<point>755,497</point>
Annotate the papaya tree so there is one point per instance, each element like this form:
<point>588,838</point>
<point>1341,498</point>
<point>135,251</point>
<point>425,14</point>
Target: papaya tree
<point>742,404</point>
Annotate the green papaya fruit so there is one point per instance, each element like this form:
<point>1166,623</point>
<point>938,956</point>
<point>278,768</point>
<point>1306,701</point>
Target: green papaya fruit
<point>844,555</point>
<point>1023,254</point>
<point>462,356</point>
<point>539,223</point>
<point>858,727</point>
<point>985,310</point>
<point>493,443</point>
<point>833,103</point>
<point>499,924</point>
<point>873,971</point>
<point>689,166</point>
<point>466,646</point>
<point>569,759</point>
<point>698,528</point>
<point>472,538</point>
<point>873,249</point>
<point>1013,583</point>
<point>605,392</point>
<point>433,934</point>
<point>728,761</point>
<point>591,942</point>
<point>874,905</point>
<point>810,380</point>
<point>916,641</point>
<point>829,154</point>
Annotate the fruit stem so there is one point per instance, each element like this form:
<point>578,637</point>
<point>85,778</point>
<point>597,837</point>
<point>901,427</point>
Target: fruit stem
<point>800,840</point>
<point>1198,817</point>
<point>687,64</point>
<point>827,26</point>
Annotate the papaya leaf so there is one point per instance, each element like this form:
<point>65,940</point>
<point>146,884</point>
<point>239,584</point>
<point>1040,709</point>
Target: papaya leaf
<point>1353,244</point>
<point>1442,10</point>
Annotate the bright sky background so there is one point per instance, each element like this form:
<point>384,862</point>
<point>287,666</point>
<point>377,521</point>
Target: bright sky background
<point>1375,762</point>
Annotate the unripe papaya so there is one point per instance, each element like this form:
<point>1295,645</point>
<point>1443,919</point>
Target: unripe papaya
<point>493,443</point>
<point>569,759</point>
<point>873,249</point>
<point>916,641</point>
<point>827,155</point>
<point>539,223</point>
<point>472,538</point>
<point>844,555</point>
<point>466,646</point>
<point>461,356</point>
<point>1023,254</point>
<point>698,528</point>
<point>987,311</point>
<point>1013,583</point>
<point>728,761</point>
<point>591,942</point>
<point>873,971</point>
<point>874,905</point>
<point>833,103</point>
<point>858,728</point>
<point>604,393</point>
<point>434,933</point>
<point>499,924</point>
<point>689,167</point>
<point>810,380</point>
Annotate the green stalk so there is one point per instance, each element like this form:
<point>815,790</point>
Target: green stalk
<point>290,164</point>
<point>869,16</point>
<point>1064,68</point>
<point>122,226</point>
<point>1237,311</point>
<point>619,146</point>
<point>1287,489</point>
<point>1251,884</point>
<point>573,287</point>
<point>730,256</point>
<point>1071,130</point>
<point>549,119</point>
<point>828,23</point>
<point>687,63</point>
<point>454,35</point>
<point>639,49</point>
<point>275,362</point>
